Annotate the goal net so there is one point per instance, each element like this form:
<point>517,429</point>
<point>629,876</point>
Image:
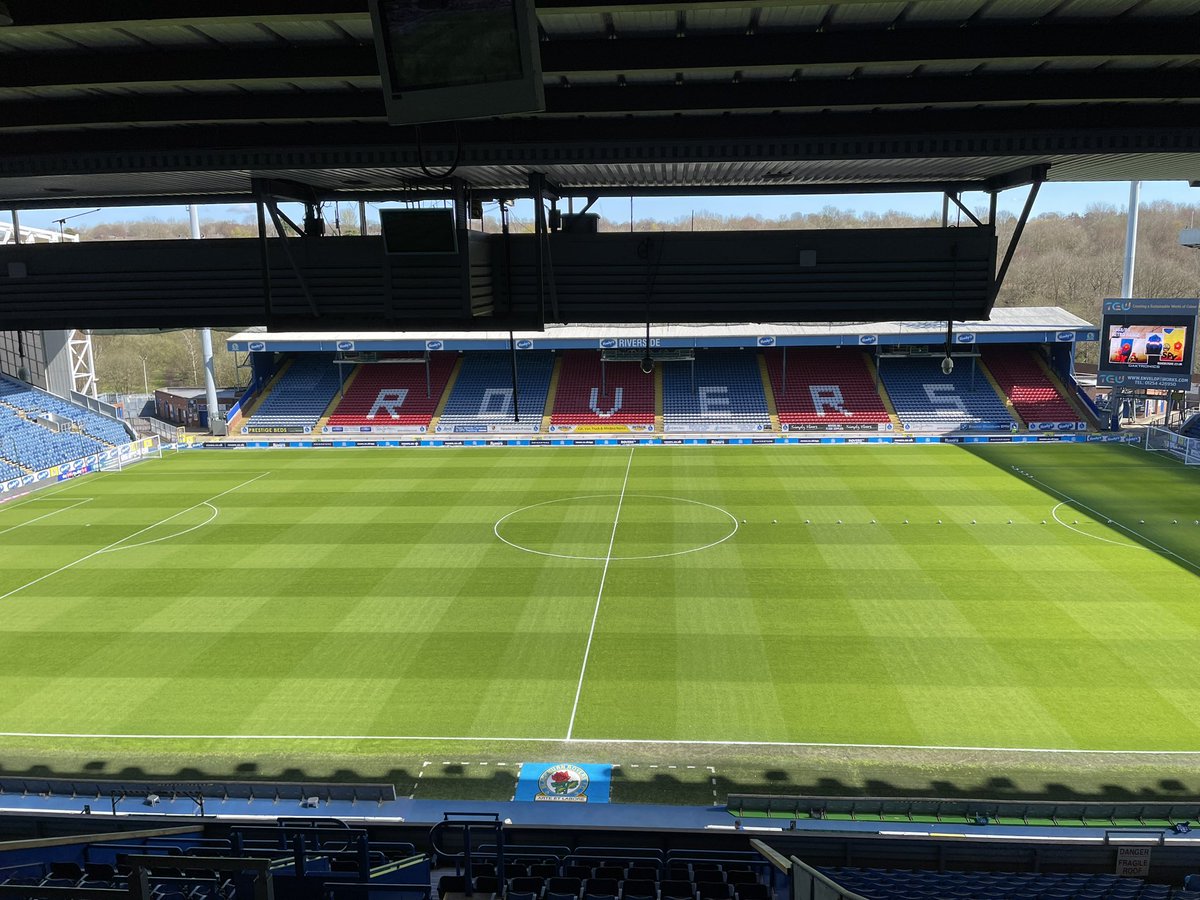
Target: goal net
<point>1183,448</point>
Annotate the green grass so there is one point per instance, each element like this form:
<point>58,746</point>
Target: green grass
<point>308,617</point>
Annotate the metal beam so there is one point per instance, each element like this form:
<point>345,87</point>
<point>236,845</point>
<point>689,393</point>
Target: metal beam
<point>814,94</point>
<point>38,14</point>
<point>1009,132</point>
<point>1015,240</point>
<point>953,196</point>
<point>911,46</point>
<point>189,67</point>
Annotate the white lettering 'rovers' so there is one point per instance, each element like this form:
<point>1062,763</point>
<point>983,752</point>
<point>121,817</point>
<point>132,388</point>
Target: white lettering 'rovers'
<point>714,400</point>
<point>828,396</point>
<point>593,403</point>
<point>496,402</point>
<point>389,400</point>
<point>944,396</point>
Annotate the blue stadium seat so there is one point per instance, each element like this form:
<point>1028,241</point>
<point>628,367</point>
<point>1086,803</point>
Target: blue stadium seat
<point>482,394</point>
<point>927,400</point>
<point>32,400</point>
<point>724,393</point>
<point>301,395</point>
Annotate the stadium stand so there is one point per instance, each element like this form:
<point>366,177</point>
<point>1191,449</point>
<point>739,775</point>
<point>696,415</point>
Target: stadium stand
<point>878,884</point>
<point>826,387</point>
<point>580,399</point>
<point>9,470</point>
<point>1033,395</point>
<point>726,395</point>
<point>482,393</point>
<point>927,400</point>
<point>1191,428</point>
<point>37,447</point>
<point>395,394</point>
<point>32,400</point>
<point>300,397</point>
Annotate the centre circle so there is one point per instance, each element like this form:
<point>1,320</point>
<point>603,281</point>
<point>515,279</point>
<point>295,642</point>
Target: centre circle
<point>589,527</point>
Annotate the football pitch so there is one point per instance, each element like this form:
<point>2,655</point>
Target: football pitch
<point>370,613</point>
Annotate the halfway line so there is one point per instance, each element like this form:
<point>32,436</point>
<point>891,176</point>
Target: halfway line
<point>127,537</point>
<point>596,612</point>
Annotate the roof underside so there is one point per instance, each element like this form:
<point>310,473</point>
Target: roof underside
<point>115,102</point>
<point>1003,320</point>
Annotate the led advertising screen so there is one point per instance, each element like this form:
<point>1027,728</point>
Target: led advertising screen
<point>1148,343</point>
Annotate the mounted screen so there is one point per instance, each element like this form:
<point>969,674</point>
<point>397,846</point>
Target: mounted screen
<point>1148,343</point>
<point>418,231</point>
<point>443,60</point>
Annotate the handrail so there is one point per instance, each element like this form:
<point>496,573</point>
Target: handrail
<point>771,855</point>
<point>118,837</point>
<point>814,875</point>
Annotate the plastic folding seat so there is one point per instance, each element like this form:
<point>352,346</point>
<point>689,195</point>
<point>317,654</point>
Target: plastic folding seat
<point>545,869</point>
<point>451,884</point>
<point>559,895</point>
<point>740,876</point>
<point>66,871</point>
<point>613,872</point>
<point>521,895</point>
<point>714,890</point>
<point>531,884</point>
<point>639,889</point>
<point>706,875</point>
<point>755,891</point>
<point>676,889</point>
<point>601,887</point>
<point>642,872</point>
<point>565,885</point>
<point>577,871</point>
<point>99,871</point>
<point>487,884</point>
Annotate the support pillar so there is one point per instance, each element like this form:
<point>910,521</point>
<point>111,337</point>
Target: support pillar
<point>1131,225</point>
<point>215,426</point>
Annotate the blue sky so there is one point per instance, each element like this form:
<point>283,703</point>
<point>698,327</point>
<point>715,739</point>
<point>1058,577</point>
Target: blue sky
<point>1063,197</point>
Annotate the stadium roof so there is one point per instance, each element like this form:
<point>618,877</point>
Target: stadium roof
<point>135,101</point>
<point>1034,321</point>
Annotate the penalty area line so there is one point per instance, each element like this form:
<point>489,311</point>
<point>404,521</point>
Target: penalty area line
<point>599,594</point>
<point>117,543</point>
<point>55,512</point>
<point>557,740</point>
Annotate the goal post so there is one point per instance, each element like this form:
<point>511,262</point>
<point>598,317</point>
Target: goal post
<point>1163,440</point>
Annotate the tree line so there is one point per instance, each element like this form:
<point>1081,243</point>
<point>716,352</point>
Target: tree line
<point>1072,260</point>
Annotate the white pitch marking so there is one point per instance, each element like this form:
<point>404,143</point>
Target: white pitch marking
<point>215,512</point>
<point>47,515</point>
<point>1054,513</point>
<point>504,518</point>
<point>1095,512</point>
<point>94,553</point>
<point>558,740</point>
<point>587,650</point>
<point>46,494</point>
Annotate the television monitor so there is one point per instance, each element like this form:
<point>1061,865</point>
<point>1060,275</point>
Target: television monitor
<point>1148,343</point>
<point>409,231</point>
<point>445,60</point>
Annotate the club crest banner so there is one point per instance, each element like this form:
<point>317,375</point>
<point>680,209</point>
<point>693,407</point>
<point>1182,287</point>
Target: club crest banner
<point>564,782</point>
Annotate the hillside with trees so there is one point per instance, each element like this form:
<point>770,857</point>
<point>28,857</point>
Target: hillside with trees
<point>1073,261</point>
